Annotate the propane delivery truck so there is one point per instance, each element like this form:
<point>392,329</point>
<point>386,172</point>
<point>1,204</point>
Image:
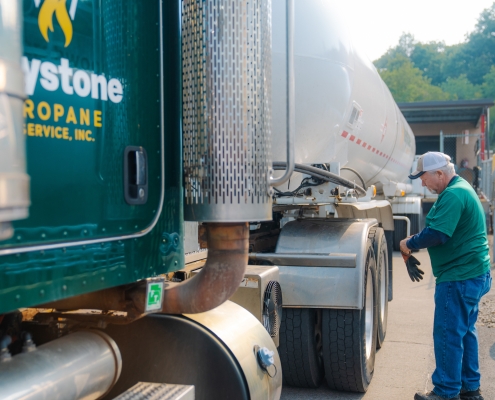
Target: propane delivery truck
<point>255,127</point>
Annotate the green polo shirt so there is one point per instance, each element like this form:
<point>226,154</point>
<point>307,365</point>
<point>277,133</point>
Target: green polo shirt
<point>458,213</point>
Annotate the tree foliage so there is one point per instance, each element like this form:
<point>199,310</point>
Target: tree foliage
<point>407,83</point>
<point>461,88</point>
<point>416,71</point>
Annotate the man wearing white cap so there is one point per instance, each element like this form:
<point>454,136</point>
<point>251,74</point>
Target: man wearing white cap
<point>455,236</point>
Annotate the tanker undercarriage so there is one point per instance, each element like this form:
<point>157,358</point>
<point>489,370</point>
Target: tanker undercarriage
<point>335,275</point>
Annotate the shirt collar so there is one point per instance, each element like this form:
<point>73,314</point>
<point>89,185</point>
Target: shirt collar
<point>452,180</point>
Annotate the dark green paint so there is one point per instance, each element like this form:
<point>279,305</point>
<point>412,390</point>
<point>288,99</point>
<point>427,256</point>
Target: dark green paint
<point>77,187</point>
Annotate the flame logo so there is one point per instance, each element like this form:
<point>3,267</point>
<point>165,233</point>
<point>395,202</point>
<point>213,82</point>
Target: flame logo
<point>45,19</point>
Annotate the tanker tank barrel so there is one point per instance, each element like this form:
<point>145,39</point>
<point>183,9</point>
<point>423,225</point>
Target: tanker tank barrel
<point>345,112</point>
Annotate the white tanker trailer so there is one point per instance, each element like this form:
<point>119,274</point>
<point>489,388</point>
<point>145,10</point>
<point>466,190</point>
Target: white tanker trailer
<point>344,111</point>
<point>334,247</point>
<point>333,222</point>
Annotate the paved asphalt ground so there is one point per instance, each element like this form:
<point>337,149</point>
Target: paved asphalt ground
<point>406,361</point>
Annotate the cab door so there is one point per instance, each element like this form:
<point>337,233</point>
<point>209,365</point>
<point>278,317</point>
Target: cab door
<point>92,121</point>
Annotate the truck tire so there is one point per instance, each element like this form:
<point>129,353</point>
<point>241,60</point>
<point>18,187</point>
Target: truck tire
<point>349,339</point>
<point>390,237</point>
<point>379,241</point>
<point>301,347</point>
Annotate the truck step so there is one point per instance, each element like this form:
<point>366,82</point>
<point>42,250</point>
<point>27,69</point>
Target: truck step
<point>157,391</point>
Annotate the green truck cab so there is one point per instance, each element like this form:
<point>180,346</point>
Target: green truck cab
<point>92,213</point>
<point>95,104</point>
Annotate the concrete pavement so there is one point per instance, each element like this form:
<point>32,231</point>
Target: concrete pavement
<point>406,361</point>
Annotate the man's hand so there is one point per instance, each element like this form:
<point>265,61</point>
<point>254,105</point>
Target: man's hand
<point>403,247</point>
<point>412,268</point>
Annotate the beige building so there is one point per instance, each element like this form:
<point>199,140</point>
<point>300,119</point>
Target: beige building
<point>456,123</point>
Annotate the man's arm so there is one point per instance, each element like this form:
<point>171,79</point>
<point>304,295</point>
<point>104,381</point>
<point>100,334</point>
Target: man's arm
<point>426,238</point>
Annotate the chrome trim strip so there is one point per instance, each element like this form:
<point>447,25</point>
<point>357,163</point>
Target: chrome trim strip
<point>342,260</point>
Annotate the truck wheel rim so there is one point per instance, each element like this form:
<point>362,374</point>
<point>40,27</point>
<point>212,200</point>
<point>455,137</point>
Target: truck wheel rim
<point>369,315</point>
<point>383,288</point>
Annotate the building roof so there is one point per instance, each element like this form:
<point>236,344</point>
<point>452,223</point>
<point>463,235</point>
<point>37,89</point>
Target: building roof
<point>445,111</point>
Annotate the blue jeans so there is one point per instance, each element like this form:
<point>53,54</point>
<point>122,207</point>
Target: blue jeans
<point>455,337</point>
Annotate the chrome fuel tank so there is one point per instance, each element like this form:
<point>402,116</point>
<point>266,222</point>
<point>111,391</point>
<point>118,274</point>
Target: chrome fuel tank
<point>344,110</point>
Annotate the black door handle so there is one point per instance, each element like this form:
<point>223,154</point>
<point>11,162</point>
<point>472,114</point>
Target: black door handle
<point>135,175</point>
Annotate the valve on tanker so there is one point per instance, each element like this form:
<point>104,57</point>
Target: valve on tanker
<point>14,182</point>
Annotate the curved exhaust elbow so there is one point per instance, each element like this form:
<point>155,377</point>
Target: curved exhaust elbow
<point>228,247</point>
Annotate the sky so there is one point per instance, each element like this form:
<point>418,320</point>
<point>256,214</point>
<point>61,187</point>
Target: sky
<point>376,25</point>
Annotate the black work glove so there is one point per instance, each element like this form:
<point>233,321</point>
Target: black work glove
<point>412,268</point>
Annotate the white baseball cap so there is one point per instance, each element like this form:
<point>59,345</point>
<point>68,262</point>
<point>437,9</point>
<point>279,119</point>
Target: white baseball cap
<point>430,161</point>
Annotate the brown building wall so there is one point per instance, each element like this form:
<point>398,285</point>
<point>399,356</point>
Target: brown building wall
<point>462,150</point>
<point>448,128</point>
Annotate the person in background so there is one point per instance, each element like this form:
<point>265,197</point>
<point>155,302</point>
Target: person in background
<point>465,172</point>
<point>455,236</point>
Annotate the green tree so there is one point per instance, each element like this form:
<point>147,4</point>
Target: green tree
<point>478,53</point>
<point>407,44</point>
<point>461,88</point>
<point>404,49</point>
<point>488,88</point>
<point>455,62</point>
<point>416,71</point>
<point>430,59</point>
<point>407,83</point>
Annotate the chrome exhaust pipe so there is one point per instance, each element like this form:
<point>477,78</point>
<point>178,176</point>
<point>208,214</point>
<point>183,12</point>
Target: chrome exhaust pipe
<point>82,365</point>
<point>226,119</point>
<point>226,112</point>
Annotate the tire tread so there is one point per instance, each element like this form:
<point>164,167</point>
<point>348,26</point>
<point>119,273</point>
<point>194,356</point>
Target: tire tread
<point>344,371</point>
<point>300,367</point>
<point>345,362</point>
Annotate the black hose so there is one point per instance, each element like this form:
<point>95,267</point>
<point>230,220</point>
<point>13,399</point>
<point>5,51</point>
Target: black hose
<point>322,174</point>
<point>355,173</point>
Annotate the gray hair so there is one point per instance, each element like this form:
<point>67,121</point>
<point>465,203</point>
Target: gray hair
<point>448,170</point>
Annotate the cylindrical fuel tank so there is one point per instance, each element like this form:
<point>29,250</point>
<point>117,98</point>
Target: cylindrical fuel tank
<point>216,351</point>
<point>82,365</point>
<point>344,111</point>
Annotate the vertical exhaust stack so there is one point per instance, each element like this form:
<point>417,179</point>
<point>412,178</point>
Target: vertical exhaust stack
<point>14,182</point>
<point>226,47</point>
<point>226,67</point>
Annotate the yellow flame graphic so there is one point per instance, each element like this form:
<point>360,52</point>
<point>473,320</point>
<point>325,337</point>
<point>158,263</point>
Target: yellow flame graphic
<point>45,19</point>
